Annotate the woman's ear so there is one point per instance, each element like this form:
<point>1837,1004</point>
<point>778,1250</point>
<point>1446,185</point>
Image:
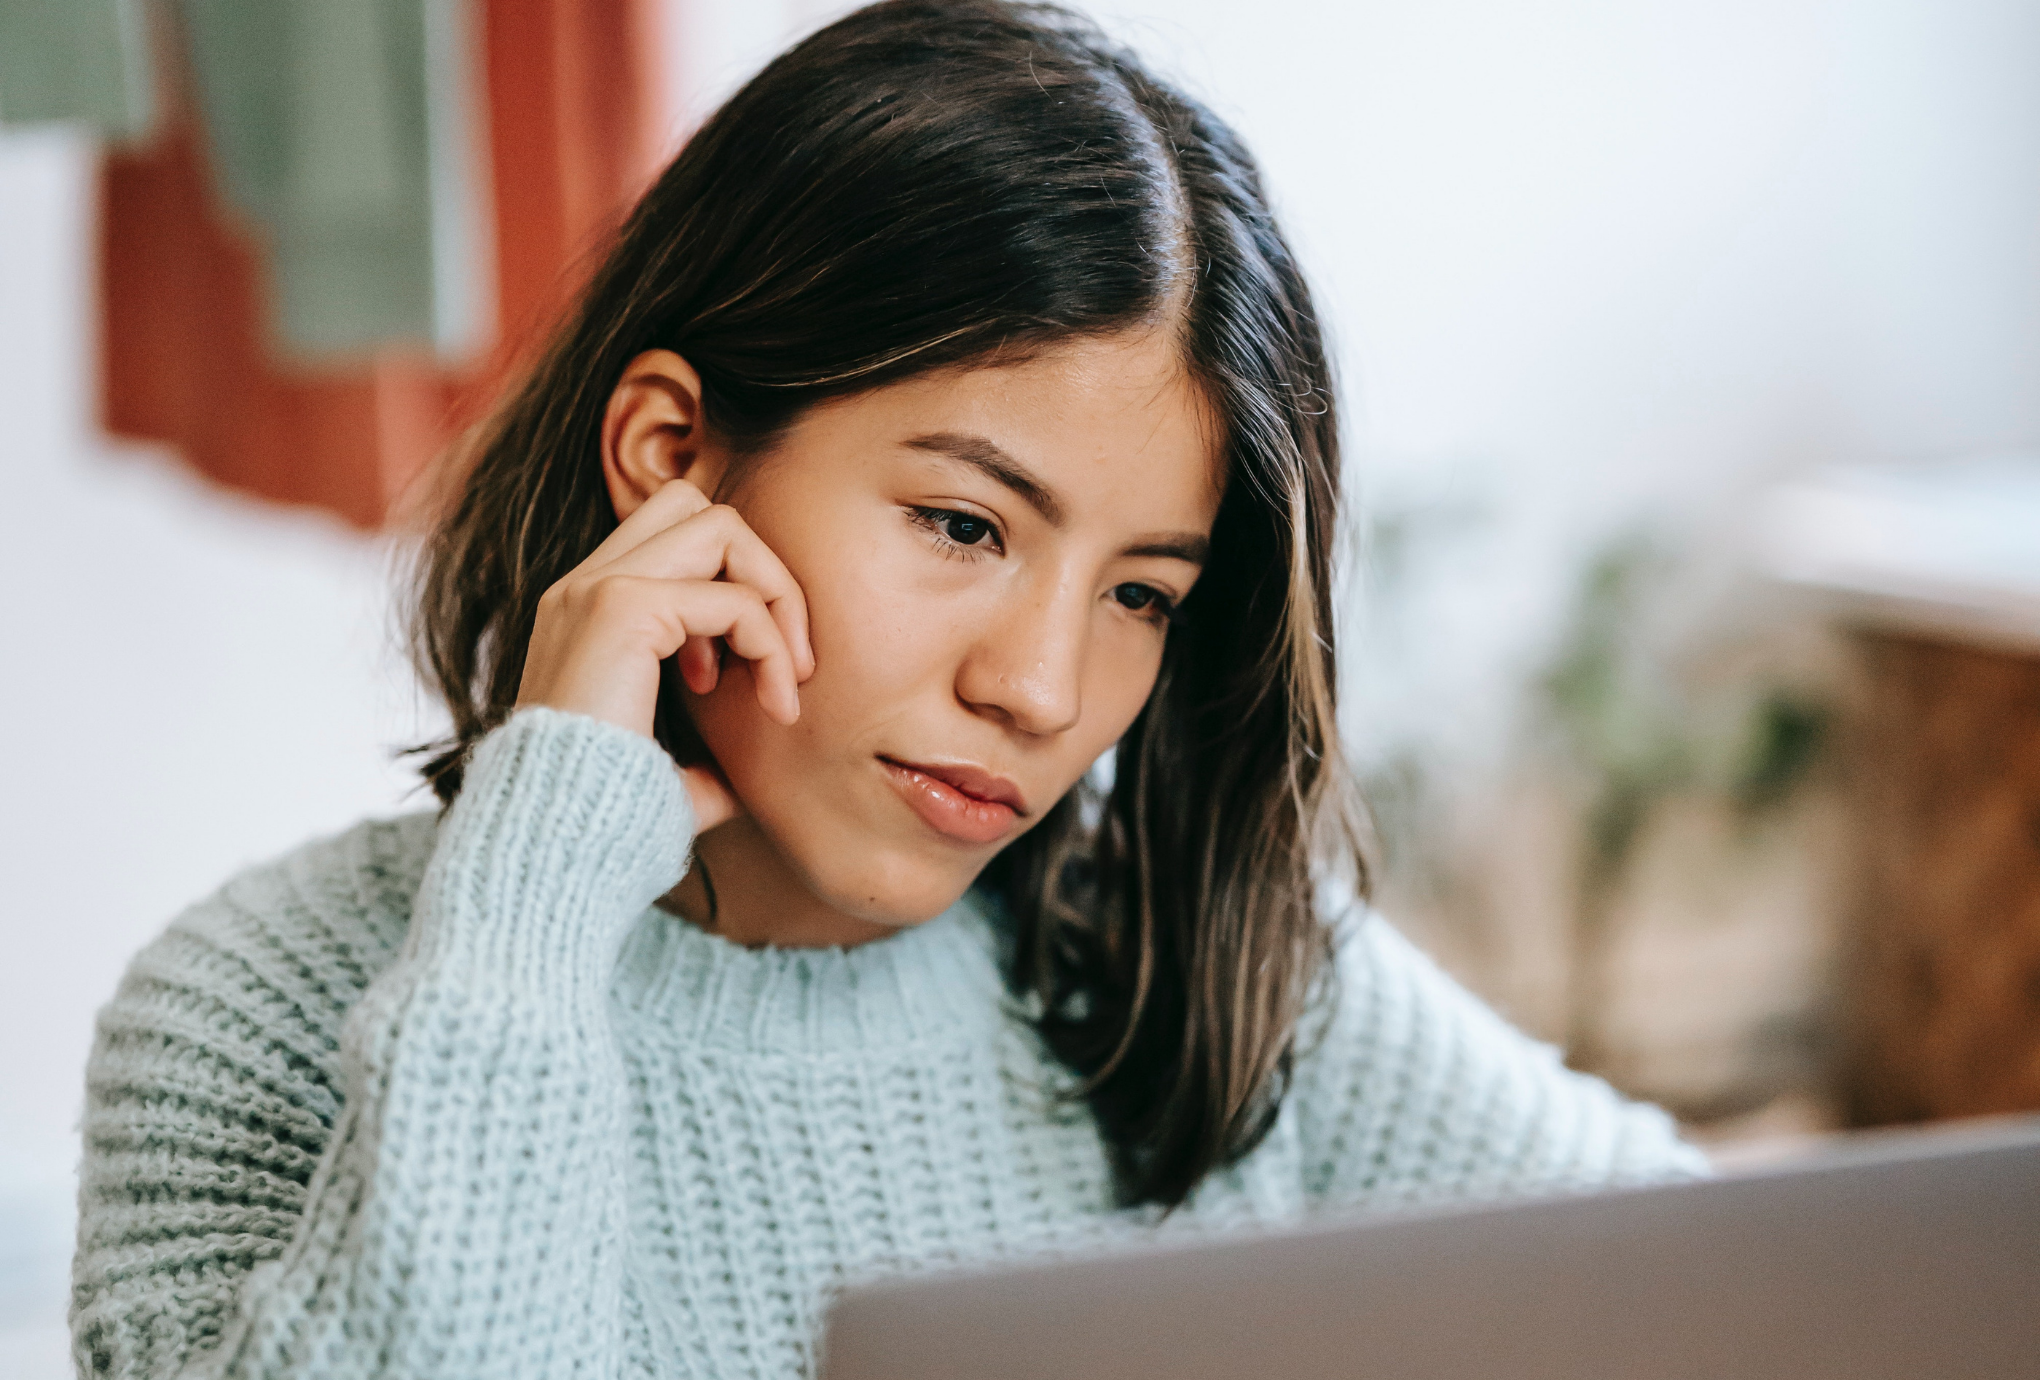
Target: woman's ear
<point>652,432</point>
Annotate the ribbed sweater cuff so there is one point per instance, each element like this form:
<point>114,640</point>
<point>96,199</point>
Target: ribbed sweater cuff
<point>565,830</point>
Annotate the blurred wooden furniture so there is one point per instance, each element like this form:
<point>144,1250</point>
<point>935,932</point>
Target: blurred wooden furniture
<point>1945,982</point>
<point>1937,573</point>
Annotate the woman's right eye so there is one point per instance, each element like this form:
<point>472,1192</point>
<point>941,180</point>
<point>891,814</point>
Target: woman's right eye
<point>958,529</point>
<point>965,530</point>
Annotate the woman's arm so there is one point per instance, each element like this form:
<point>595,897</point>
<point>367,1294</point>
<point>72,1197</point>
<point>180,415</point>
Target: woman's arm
<point>466,1212</point>
<point>466,1215</point>
<point>1415,1091</point>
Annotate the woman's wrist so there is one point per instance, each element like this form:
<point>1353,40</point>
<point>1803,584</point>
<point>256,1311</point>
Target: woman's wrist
<point>566,828</point>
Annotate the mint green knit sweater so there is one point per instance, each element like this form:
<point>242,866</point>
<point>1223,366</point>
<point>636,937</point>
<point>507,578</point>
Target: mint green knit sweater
<point>453,1098</point>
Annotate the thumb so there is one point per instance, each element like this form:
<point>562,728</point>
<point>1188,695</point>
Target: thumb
<point>709,791</point>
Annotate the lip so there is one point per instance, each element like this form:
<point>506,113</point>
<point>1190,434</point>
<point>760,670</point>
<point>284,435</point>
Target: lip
<point>958,799</point>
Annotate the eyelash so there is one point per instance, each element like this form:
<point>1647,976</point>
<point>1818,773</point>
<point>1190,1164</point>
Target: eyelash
<point>1161,610</point>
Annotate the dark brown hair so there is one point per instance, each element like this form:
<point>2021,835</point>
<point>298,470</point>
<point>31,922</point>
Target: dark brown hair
<point>934,183</point>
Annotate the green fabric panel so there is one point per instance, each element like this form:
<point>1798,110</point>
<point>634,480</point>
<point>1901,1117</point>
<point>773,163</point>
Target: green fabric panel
<point>76,60</point>
<point>334,127</point>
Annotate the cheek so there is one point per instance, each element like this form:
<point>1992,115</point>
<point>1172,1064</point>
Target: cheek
<point>1119,675</point>
<point>883,646</point>
<point>884,677</point>
<point>879,649</point>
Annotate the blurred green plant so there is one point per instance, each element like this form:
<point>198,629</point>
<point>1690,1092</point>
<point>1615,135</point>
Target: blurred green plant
<point>1634,734</point>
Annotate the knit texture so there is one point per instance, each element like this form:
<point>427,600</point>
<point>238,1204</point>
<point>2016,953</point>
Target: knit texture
<point>451,1097</point>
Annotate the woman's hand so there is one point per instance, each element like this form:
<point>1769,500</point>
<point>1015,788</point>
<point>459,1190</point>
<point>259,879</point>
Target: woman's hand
<point>675,576</point>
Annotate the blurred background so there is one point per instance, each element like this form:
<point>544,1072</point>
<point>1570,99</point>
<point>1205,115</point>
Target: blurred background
<point>1691,368</point>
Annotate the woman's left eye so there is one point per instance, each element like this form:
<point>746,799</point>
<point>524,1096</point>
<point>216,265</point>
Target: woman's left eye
<point>1145,599</point>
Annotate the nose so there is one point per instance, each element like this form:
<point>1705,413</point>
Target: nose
<point>1026,667</point>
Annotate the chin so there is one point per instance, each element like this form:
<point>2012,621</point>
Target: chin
<point>884,884</point>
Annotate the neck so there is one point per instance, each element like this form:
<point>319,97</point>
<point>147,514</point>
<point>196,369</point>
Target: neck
<point>741,889</point>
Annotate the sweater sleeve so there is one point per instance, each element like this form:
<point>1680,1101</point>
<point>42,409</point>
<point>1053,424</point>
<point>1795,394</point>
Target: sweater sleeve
<point>465,1215</point>
<point>1411,1090</point>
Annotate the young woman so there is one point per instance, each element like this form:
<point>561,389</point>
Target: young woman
<point>949,417</point>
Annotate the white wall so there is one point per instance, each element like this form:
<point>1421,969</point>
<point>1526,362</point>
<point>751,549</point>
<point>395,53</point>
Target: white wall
<point>1582,259</point>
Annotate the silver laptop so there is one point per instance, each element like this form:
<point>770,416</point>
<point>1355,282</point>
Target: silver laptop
<point>1901,1255</point>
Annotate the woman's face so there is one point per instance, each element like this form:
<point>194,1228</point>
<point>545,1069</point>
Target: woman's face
<point>989,558</point>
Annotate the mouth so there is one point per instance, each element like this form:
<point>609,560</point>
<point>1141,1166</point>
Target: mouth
<point>958,800</point>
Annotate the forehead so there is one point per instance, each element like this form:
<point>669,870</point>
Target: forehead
<point>1118,426</point>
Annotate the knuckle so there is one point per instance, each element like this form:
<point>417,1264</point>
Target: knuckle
<point>571,596</point>
<point>609,593</point>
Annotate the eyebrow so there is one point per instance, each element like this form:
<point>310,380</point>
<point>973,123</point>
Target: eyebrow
<point>980,454</point>
<point>1180,546</point>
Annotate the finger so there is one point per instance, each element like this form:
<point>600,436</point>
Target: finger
<point>716,541</point>
<point>751,562</point>
<point>672,502</point>
<point>737,614</point>
<point>700,664</point>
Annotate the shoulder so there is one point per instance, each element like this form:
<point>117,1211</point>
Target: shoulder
<point>215,1079</point>
<point>1410,1087</point>
<point>337,906</point>
<point>266,967</point>
<point>1388,991</point>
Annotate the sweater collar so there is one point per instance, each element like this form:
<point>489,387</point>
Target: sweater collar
<point>934,979</point>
